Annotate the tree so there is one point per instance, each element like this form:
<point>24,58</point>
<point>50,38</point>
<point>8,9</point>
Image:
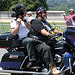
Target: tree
<point>61,5</point>
<point>0,4</point>
<point>30,4</point>
<point>5,4</point>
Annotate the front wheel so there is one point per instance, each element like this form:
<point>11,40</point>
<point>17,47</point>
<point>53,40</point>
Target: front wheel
<point>68,73</point>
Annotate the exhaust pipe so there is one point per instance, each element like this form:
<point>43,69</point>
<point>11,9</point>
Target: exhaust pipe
<point>26,72</point>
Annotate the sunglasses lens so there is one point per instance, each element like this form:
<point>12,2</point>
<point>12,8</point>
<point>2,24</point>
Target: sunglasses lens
<point>45,12</point>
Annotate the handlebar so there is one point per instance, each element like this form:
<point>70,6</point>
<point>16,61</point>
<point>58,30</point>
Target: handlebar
<point>56,35</point>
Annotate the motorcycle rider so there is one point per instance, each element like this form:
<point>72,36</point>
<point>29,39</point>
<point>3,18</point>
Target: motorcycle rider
<point>40,30</point>
<point>21,27</point>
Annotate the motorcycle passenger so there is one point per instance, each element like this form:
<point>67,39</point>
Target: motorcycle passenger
<point>21,27</point>
<point>40,30</point>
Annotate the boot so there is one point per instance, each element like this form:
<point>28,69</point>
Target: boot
<point>54,70</point>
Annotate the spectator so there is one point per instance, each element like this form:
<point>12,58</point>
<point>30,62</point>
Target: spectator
<point>69,18</point>
<point>30,17</point>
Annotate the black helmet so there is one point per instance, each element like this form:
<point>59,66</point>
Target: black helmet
<point>40,9</point>
<point>18,7</point>
<point>13,15</point>
<point>19,10</point>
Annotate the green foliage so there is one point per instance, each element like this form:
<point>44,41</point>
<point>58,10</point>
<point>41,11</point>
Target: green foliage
<point>30,4</point>
<point>61,5</point>
<point>5,4</point>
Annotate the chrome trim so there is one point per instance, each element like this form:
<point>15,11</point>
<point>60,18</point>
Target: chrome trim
<point>21,72</point>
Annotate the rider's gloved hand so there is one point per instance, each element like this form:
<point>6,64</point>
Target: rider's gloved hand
<point>59,34</point>
<point>51,36</point>
<point>52,29</point>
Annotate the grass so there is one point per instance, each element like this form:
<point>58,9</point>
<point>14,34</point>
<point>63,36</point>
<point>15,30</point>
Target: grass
<point>7,27</point>
<point>4,22</point>
<point>59,24</point>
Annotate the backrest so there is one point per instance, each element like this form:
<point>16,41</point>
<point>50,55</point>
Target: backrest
<point>5,40</point>
<point>15,42</point>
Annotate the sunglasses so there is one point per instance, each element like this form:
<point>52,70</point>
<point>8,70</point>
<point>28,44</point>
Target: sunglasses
<point>45,12</point>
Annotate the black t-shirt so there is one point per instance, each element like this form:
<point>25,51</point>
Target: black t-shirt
<point>36,26</point>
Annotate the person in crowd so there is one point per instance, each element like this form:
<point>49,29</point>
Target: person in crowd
<point>40,30</point>
<point>30,17</point>
<point>69,18</point>
<point>21,27</point>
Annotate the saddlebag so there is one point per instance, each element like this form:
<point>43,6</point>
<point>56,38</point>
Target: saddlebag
<point>13,60</point>
<point>5,41</point>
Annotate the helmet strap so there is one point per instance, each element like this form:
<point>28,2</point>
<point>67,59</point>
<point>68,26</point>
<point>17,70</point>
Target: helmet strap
<point>41,15</point>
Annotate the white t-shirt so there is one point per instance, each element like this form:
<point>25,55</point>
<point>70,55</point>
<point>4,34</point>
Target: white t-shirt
<point>23,30</point>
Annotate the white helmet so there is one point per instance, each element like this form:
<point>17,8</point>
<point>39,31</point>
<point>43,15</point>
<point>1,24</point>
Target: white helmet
<point>29,12</point>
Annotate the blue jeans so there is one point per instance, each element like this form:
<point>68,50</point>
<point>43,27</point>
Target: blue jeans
<point>28,43</point>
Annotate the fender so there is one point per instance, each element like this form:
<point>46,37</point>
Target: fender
<point>68,59</point>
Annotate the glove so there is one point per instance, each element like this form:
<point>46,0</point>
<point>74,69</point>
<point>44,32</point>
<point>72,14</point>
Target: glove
<point>59,34</point>
<point>51,35</point>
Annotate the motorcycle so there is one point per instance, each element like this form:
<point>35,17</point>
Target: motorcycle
<point>69,35</point>
<point>65,51</point>
<point>16,59</point>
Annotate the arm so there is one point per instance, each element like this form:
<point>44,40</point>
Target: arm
<point>44,32</point>
<point>64,16</point>
<point>16,29</point>
<point>28,25</point>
